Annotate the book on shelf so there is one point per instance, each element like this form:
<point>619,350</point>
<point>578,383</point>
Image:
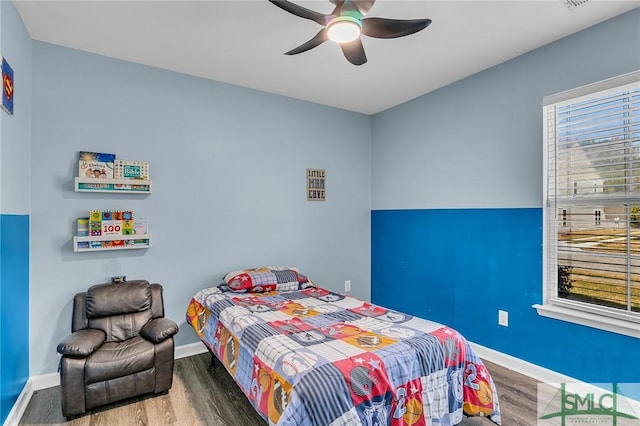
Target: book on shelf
<point>112,244</point>
<point>127,187</point>
<point>96,186</point>
<point>110,222</point>
<point>82,226</point>
<point>82,230</point>
<point>140,226</point>
<point>96,165</point>
<point>127,169</point>
<point>101,186</point>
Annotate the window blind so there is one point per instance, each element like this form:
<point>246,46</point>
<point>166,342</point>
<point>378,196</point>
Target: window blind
<point>592,137</point>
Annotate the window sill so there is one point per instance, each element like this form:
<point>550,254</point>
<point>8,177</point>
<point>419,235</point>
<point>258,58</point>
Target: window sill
<point>627,328</point>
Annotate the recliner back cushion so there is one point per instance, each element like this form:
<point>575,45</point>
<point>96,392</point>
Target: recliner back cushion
<point>120,298</point>
<point>120,309</point>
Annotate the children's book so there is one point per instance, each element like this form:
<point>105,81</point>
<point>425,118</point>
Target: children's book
<point>141,226</point>
<point>82,230</point>
<point>126,169</point>
<point>82,224</point>
<point>96,165</point>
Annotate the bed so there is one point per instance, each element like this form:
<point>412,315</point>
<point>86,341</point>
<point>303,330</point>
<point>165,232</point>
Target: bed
<point>305,355</point>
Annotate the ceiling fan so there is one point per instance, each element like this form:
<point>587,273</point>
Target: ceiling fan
<point>345,25</point>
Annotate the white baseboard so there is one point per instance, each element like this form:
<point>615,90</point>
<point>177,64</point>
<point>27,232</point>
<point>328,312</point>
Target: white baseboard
<point>191,349</point>
<point>540,374</point>
<point>20,406</point>
<point>44,381</point>
<point>536,372</point>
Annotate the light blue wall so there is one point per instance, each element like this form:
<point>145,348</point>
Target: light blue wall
<point>16,128</point>
<point>15,176</point>
<point>464,235</point>
<point>228,167</point>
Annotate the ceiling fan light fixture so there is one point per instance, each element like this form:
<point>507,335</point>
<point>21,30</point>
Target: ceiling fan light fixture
<point>347,23</point>
<point>344,29</point>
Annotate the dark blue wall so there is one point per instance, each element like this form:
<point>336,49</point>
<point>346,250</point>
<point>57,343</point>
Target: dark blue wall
<point>14,308</point>
<point>460,266</point>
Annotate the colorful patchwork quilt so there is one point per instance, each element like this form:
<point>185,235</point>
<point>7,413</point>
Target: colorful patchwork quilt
<point>315,357</point>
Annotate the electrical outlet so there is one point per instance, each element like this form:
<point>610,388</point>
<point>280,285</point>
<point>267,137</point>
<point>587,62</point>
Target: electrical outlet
<point>347,285</point>
<point>503,318</point>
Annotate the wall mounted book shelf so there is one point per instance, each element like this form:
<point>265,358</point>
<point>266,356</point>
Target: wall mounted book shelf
<point>111,242</point>
<point>113,186</point>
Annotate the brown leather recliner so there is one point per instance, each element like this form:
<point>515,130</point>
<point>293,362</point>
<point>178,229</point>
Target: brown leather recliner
<point>121,346</point>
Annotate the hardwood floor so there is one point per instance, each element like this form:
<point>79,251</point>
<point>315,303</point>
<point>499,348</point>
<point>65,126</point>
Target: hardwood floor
<point>200,396</point>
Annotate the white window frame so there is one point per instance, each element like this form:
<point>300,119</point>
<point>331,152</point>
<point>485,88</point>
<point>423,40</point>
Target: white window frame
<point>552,306</point>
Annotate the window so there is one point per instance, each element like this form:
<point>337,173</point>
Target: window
<point>592,205</point>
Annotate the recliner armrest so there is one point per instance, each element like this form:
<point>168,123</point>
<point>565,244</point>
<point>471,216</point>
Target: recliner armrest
<point>81,343</point>
<point>159,329</point>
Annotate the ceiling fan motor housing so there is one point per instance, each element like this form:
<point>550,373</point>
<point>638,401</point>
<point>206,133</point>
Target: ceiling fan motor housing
<point>344,29</point>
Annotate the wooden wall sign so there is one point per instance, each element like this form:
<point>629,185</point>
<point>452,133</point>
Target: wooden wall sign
<point>316,185</point>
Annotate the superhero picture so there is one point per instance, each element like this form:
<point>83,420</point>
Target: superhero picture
<point>7,87</point>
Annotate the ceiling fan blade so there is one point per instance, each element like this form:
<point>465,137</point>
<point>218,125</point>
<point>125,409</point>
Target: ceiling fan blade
<point>354,52</point>
<point>392,28</point>
<point>317,40</point>
<point>302,12</point>
<point>364,6</point>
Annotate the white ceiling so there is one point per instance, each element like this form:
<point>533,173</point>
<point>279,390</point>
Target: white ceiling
<point>242,42</point>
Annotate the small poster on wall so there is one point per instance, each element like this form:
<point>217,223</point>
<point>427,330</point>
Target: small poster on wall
<point>316,185</point>
<point>7,87</point>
